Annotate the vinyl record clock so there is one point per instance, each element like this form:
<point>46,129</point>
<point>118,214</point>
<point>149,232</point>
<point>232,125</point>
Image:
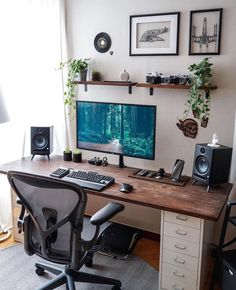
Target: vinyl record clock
<point>102,42</point>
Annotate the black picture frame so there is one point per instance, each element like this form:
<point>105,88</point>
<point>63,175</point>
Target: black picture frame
<point>154,34</point>
<point>205,31</point>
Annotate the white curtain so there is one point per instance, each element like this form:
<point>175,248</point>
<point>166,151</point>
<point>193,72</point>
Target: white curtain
<point>33,43</point>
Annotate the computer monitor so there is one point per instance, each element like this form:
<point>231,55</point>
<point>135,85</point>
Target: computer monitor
<point>122,129</point>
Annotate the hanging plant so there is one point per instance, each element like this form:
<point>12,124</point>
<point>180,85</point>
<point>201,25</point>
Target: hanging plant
<point>74,67</point>
<point>199,97</point>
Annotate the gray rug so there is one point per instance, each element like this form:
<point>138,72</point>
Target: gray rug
<point>17,272</point>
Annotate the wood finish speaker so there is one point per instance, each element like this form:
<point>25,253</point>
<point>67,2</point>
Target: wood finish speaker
<point>41,141</point>
<point>211,164</point>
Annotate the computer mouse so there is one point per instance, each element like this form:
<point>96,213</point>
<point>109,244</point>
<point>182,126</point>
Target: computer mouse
<point>125,187</point>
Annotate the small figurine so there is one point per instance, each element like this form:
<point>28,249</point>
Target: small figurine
<point>214,141</point>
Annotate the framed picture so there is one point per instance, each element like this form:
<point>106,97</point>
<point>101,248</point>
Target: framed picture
<point>154,34</point>
<point>205,31</point>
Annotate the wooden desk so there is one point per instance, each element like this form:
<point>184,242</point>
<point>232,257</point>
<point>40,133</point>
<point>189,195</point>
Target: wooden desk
<point>185,215</point>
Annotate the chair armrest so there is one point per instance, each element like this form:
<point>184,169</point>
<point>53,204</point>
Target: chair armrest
<point>106,213</point>
<point>20,222</point>
<point>18,201</point>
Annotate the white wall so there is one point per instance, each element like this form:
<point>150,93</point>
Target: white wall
<point>86,18</point>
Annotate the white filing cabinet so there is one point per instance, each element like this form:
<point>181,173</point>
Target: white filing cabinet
<point>184,244</point>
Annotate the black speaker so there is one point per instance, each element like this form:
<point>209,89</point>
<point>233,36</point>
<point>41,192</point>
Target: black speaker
<point>211,164</point>
<point>41,141</point>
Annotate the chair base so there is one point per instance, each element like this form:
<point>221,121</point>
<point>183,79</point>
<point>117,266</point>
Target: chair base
<point>69,277</point>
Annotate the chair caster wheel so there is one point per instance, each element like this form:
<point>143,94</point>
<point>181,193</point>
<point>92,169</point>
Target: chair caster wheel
<point>39,271</point>
<point>89,262</point>
<point>116,288</point>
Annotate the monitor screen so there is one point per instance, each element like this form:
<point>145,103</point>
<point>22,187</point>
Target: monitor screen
<point>123,129</point>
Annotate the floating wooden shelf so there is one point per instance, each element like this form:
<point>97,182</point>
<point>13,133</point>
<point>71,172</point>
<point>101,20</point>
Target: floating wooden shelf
<point>171,86</point>
<point>140,85</point>
<point>107,83</point>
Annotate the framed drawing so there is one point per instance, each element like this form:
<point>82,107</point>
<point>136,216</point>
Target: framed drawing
<point>154,34</point>
<point>205,31</point>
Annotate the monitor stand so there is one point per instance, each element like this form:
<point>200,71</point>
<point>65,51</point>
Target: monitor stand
<point>121,161</point>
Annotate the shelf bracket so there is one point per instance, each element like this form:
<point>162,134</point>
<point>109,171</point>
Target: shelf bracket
<point>85,87</point>
<point>130,89</point>
<point>151,91</point>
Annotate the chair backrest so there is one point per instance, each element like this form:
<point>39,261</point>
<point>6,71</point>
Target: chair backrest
<point>55,212</point>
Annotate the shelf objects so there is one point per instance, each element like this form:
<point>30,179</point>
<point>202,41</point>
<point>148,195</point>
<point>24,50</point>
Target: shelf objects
<point>171,86</point>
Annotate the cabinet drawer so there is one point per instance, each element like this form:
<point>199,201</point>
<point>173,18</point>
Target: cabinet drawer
<point>172,284</point>
<point>182,219</point>
<point>182,232</point>
<point>181,260</point>
<point>181,246</point>
<point>180,274</point>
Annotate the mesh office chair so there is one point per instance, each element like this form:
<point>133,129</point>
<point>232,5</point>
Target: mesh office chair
<point>225,264</point>
<point>53,225</point>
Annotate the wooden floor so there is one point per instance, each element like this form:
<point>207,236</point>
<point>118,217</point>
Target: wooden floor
<point>146,249</point>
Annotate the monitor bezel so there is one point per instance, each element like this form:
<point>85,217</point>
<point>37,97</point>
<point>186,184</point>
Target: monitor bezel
<point>113,153</point>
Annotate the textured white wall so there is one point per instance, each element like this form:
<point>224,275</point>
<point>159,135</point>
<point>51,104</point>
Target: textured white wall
<point>87,18</point>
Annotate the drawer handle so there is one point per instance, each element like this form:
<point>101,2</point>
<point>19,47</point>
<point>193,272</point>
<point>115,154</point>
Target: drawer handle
<point>182,233</point>
<point>180,261</point>
<point>182,217</point>
<point>181,247</point>
<point>177,274</point>
<point>177,287</point>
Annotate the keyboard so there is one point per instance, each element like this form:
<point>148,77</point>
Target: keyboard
<point>60,172</point>
<point>90,180</point>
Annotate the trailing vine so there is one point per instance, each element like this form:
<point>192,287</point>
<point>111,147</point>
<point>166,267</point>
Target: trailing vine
<point>74,66</point>
<point>199,100</point>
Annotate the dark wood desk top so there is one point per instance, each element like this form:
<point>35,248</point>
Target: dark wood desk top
<point>191,199</point>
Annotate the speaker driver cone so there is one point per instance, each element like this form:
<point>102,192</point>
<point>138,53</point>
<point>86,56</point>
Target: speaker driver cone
<point>40,141</point>
<point>202,165</point>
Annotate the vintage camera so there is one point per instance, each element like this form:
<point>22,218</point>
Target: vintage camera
<point>151,78</point>
<point>184,79</point>
<point>169,79</point>
<point>159,78</point>
<point>173,79</point>
<point>164,79</point>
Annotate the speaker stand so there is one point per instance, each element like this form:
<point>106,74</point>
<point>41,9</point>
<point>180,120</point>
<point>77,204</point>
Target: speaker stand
<point>208,186</point>
<point>39,154</point>
<point>194,182</point>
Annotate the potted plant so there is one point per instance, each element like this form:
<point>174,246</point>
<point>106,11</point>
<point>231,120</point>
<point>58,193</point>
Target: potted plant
<point>77,68</point>
<point>67,154</point>
<point>96,76</point>
<point>77,155</point>
<point>199,93</point>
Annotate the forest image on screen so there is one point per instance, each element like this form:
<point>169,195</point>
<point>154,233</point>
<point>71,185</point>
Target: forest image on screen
<point>117,128</point>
